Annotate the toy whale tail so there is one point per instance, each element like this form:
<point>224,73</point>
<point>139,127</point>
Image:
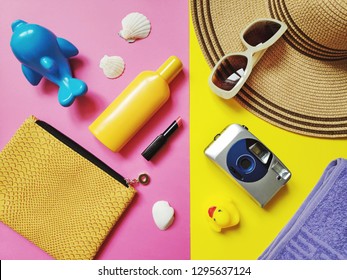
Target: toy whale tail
<point>69,90</point>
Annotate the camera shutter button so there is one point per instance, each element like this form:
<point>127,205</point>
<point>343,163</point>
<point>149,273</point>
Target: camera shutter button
<point>216,137</point>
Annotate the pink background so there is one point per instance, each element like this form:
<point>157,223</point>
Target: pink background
<point>93,26</point>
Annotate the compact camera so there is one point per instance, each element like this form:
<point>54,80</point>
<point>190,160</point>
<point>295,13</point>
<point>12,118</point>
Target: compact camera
<point>249,162</point>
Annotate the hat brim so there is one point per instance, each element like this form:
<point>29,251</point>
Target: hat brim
<point>287,88</point>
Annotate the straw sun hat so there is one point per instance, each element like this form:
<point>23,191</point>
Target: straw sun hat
<point>300,84</point>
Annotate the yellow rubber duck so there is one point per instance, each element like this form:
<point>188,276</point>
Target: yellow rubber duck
<point>223,215</point>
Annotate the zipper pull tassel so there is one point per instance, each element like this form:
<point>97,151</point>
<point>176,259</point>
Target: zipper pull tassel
<point>143,179</point>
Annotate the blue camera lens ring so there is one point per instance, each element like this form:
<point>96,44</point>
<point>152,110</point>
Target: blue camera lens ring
<point>246,163</point>
<point>244,172</point>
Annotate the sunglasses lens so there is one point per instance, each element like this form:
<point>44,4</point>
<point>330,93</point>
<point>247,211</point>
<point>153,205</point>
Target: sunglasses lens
<point>229,72</point>
<point>260,32</point>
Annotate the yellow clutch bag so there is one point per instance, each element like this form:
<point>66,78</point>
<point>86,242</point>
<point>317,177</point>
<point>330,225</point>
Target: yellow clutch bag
<point>58,195</point>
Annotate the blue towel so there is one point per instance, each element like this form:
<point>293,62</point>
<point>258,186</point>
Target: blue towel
<point>319,228</point>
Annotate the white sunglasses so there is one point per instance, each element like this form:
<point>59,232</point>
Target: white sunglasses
<point>231,71</point>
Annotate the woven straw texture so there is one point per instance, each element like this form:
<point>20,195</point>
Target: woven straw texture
<point>300,84</point>
<point>56,198</point>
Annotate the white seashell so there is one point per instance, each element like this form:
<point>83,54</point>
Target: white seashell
<point>163,214</point>
<point>113,66</point>
<point>135,26</point>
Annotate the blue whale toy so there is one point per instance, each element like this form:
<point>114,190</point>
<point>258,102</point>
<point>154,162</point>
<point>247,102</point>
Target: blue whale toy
<point>42,54</point>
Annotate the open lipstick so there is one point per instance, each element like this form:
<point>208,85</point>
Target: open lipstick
<point>161,139</point>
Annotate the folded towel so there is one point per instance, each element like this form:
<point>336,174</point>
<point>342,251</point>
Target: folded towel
<point>319,228</point>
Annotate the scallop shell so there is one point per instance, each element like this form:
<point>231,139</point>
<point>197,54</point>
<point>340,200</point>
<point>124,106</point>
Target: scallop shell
<point>113,66</point>
<point>135,26</point>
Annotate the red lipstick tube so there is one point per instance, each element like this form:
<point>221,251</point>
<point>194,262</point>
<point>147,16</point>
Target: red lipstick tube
<point>161,139</point>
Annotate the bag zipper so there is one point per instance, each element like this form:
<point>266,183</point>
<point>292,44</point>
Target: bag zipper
<point>83,152</point>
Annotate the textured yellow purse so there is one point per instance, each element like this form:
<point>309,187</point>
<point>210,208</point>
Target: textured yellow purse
<point>57,194</point>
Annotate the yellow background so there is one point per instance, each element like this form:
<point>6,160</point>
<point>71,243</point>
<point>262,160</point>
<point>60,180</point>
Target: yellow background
<point>306,157</point>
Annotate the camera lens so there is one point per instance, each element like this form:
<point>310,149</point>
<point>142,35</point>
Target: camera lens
<point>246,163</point>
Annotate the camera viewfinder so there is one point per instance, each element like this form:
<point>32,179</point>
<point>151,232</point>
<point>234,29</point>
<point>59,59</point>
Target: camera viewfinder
<point>260,152</point>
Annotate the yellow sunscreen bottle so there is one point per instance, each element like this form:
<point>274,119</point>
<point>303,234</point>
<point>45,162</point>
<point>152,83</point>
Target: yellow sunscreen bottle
<point>143,97</point>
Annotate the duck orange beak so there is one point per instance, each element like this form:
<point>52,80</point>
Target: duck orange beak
<point>211,211</point>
